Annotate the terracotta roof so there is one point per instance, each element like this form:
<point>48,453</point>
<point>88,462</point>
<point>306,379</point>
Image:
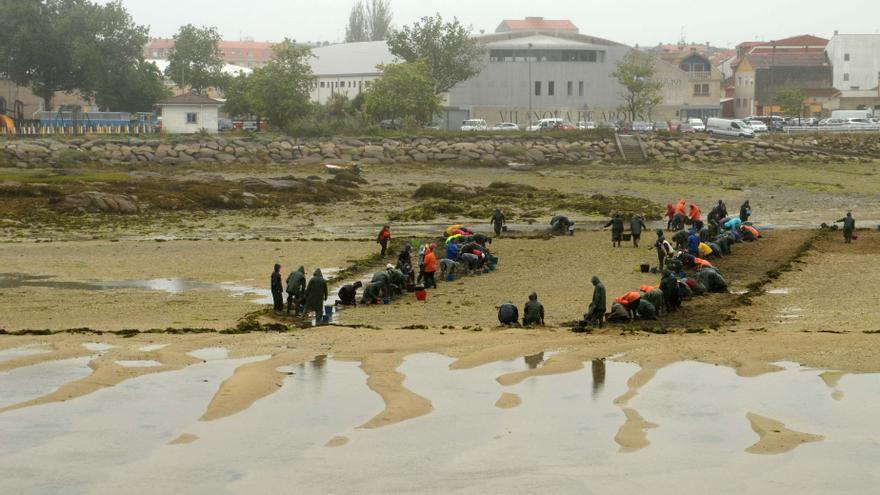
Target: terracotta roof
<point>788,59</point>
<point>802,40</point>
<point>721,57</point>
<point>189,99</point>
<point>819,92</point>
<point>536,24</point>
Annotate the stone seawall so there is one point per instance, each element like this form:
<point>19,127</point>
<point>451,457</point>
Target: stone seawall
<point>26,153</point>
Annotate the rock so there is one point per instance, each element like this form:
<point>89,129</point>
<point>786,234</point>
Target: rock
<point>98,202</point>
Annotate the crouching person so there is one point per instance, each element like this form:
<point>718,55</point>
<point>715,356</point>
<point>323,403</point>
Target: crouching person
<point>508,314</point>
<point>533,312</point>
<point>348,294</point>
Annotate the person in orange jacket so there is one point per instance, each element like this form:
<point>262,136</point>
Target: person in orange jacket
<point>695,213</point>
<point>383,238</point>
<point>430,267</point>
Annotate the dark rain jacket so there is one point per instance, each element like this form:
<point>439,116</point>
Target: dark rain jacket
<point>616,224</point>
<point>533,312</point>
<point>316,292</point>
<point>277,288</point>
<point>599,302</point>
<point>296,282</point>
<point>636,226</point>
<point>508,313</point>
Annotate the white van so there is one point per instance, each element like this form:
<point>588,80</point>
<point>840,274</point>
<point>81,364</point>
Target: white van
<point>729,127</point>
<point>697,124</point>
<point>474,125</point>
<point>851,114</point>
<point>546,124</point>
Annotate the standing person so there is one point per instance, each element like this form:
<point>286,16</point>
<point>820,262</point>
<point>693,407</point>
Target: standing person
<point>663,247</point>
<point>498,221</point>
<point>616,225</point>
<point>277,290</point>
<point>533,312</point>
<point>695,216</point>
<point>670,213</point>
<point>849,226</point>
<point>296,289</point>
<point>316,294</point>
<point>596,310</point>
<point>422,250</point>
<point>745,211</point>
<point>635,227</point>
<point>430,267</point>
<point>383,239</point>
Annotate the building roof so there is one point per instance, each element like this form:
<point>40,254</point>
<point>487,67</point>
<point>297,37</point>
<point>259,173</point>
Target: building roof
<point>721,57</point>
<point>350,59</point>
<point>801,40</point>
<point>543,41</point>
<point>189,99</point>
<point>788,59</point>
<point>553,39</point>
<point>536,24</point>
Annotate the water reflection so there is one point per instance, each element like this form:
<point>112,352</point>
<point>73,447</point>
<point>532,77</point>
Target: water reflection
<point>598,376</point>
<point>534,360</point>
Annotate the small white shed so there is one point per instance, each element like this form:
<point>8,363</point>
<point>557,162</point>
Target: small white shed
<point>189,114</point>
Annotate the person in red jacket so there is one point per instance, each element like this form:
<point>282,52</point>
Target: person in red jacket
<point>695,213</point>
<point>430,267</point>
<point>670,213</point>
<point>383,238</point>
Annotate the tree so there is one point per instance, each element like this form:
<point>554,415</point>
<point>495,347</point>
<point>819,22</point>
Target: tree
<point>281,89</point>
<point>641,93</point>
<point>450,53</point>
<point>405,91</point>
<point>357,24</point>
<point>132,89</point>
<point>195,60</point>
<point>70,46</point>
<point>237,92</point>
<point>791,100</point>
<point>378,19</point>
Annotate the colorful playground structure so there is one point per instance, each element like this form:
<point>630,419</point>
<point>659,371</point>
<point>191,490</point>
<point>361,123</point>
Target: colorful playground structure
<point>74,121</point>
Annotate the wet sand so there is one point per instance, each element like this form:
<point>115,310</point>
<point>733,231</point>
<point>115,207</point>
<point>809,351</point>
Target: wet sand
<point>775,438</point>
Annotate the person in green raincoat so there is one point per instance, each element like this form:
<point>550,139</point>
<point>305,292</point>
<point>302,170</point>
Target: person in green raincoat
<point>316,294</point>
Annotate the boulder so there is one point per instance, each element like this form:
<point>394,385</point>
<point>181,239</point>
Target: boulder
<point>99,202</point>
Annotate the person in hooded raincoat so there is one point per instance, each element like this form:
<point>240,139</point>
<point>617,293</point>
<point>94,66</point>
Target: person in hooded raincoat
<point>655,297</point>
<point>596,310</point>
<point>636,225</point>
<point>497,221</point>
<point>277,289</point>
<point>671,295</point>
<point>383,278</point>
<point>745,211</point>
<point>645,310</point>
<point>533,312</point>
<point>618,313</point>
<point>372,293</point>
<point>560,224</point>
<point>296,289</point>
<point>316,294</point>
<point>616,224</point>
<point>430,267</point>
<point>348,294</point>
<point>670,214</point>
<point>849,226</point>
<point>712,280</point>
<point>384,238</point>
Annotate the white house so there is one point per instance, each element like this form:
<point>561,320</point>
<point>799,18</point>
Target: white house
<point>189,114</point>
<point>347,68</point>
<point>856,61</point>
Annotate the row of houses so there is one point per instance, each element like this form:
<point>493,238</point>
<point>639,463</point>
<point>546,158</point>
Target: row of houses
<point>537,68</point>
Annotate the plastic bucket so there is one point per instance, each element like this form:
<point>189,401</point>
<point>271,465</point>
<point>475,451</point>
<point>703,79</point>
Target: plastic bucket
<point>450,277</point>
<point>421,295</point>
<point>386,300</point>
<point>328,311</point>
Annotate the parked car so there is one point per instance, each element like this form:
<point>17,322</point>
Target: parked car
<point>506,126</point>
<point>642,127</point>
<point>686,128</point>
<point>546,124</point>
<point>586,125</point>
<point>697,124</point>
<point>225,125</point>
<point>832,122</point>
<point>729,127</point>
<point>249,125</point>
<point>392,124</point>
<point>757,126</point>
<point>857,122</point>
<point>799,122</point>
<point>474,125</point>
<point>661,127</point>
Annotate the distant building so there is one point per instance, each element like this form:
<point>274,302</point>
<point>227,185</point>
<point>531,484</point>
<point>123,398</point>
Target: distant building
<point>189,114</point>
<point>691,86</point>
<point>537,24</point>
<point>15,100</point>
<point>763,68</point>
<point>856,62</point>
<point>347,68</point>
<point>246,53</point>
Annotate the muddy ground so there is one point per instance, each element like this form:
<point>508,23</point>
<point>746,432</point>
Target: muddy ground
<point>826,318</point>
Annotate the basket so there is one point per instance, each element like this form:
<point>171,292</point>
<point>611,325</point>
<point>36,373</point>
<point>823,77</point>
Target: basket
<point>421,295</point>
<point>627,237</point>
<point>645,268</point>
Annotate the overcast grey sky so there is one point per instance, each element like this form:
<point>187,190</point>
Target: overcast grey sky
<point>646,22</point>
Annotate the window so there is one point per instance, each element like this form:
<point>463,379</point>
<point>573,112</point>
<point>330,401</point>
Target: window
<point>551,88</point>
<point>846,57</point>
<point>192,118</point>
<point>580,88</point>
<point>322,84</point>
<point>701,90</point>
<point>846,77</point>
<point>537,88</point>
<point>570,88</point>
<point>534,55</point>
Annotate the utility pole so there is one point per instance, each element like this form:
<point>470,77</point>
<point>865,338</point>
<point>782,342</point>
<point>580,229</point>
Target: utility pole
<point>530,89</point>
